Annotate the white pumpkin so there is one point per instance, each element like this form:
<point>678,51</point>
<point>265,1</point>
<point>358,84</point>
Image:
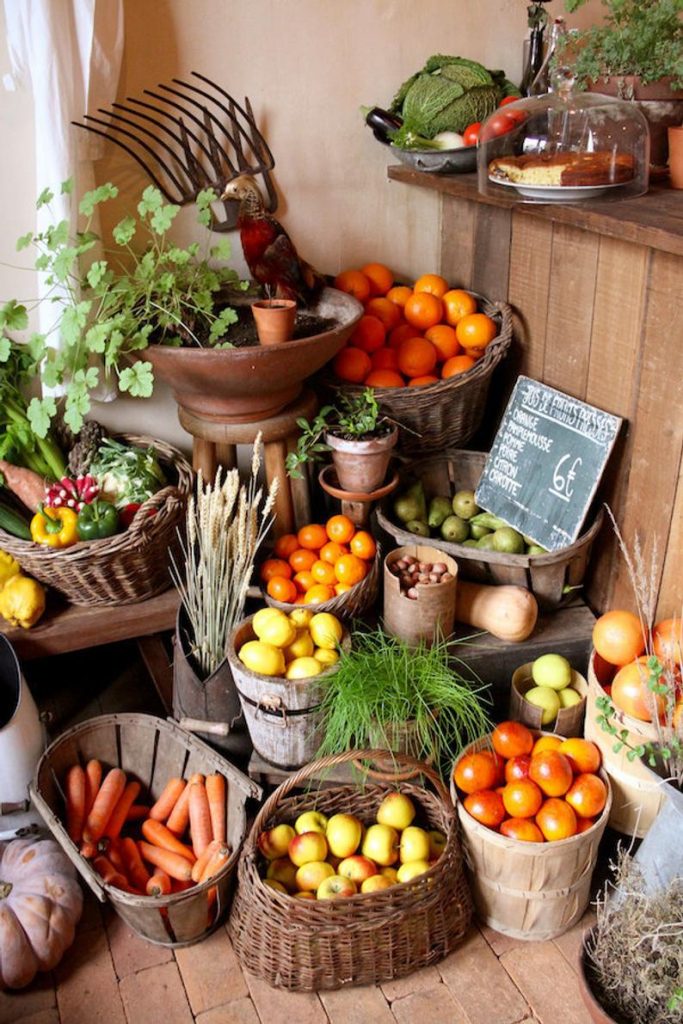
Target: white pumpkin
<point>40,906</point>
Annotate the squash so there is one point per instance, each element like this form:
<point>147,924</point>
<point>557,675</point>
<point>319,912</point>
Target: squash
<point>40,906</point>
<point>508,612</point>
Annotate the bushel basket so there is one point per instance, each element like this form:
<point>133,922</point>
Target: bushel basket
<point>365,939</point>
<point>444,415</point>
<point>130,566</point>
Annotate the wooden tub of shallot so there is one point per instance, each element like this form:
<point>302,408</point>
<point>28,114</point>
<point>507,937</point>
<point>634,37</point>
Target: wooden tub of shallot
<point>532,808</point>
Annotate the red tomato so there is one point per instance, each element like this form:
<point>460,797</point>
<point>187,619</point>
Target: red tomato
<point>517,768</point>
<point>471,134</point>
<point>499,124</point>
<point>587,795</point>
<point>512,739</point>
<point>508,99</point>
<point>474,772</point>
<point>552,771</point>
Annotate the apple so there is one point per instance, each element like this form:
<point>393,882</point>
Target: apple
<point>412,869</point>
<point>396,810</point>
<point>381,845</point>
<point>304,895</point>
<point>437,843</point>
<point>275,841</point>
<point>546,699</point>
<point>310,875</point>
<point>273,883</point>
<point>551,670</point>
<point>357,868</point>
<point>415,844</point>
<point>569,697</point>
<point>311,821</point>
<point>336,887</point>
<point>390,873</point>
<point>306,847</point>
<point>343,834</point>
<point>282,870</point>
<point>375,883</point>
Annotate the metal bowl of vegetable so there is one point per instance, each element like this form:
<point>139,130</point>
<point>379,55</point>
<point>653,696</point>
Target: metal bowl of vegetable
<point>444,154</point>
<point>439,161</point>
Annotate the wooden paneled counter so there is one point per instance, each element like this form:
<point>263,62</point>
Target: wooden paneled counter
<point>597,290</point>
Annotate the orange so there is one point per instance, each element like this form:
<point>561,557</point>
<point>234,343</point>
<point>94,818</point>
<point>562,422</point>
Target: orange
<point>667,640</point>
<point>384,379</point>
<point>285,546</point>
<point>369,334</point>
<point>475,772</point>
<point>342,588</point>
<point>416,357</point>
<point>475,331</point>
<point>552,772</point>
<point>423,310</point>
<point>301,560</point>
<point>384,359</point>
<point>522,799</point>
<point>352,365</point>
<point>312,537</point>
<point>522,829</point>
<point>323,572</point>
<point>512,739</point>
<point>339,528</point>
<point>587,795</point>
<point>304,580</point>
<point>379,276</point>
<point>350,569</point>
<point>458,364</point>
<point>427,378</point>
<point>546,743</point>
<point>618,637</point>
<point>486,807</point>
<point>444,341</point>
<point>319,593</point>
<point>363,545</point>
<point>457,304</point>
<point>401,334</point>
<point>556,819</point>
<point>384,310</point>
<point>281,589</point>
<point>275,567</point>
<point>355,283</point>
<point>434,284</point>
<point>331,551</point>
<point>400,294</point>
<point>583,755</point>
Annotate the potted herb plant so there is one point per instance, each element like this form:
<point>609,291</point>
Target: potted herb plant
<point>359,437</point>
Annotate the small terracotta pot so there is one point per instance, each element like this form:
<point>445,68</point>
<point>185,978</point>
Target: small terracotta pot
<point>274,320</point>
<point>675,135</point>
<point>362,465</point>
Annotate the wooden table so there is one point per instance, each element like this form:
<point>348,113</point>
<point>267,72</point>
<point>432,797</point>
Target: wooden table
<point>597,291</point>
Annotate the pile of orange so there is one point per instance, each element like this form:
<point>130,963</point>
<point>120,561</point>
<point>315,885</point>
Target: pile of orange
<point>534,790</point>
<point>410,336</point>
<point>319,562</point>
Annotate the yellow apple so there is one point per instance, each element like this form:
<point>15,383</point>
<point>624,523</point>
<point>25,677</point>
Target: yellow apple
<point>273,883</point>
<point>375,883</point>
<point>343,834</point>
<point>381,844</point>
<point>304,895</point>
<point>306,847</point>
<point>311,821</point>
<point>282,870</point>
<point>414,844</point>
<point>396,810</point>
<point>412,869</point>
<point>390,873</point>
<point>357,868</point>
<point>437,843</point>
<point>310,875</point>
<point>336,887</point>
<point>275,841</point>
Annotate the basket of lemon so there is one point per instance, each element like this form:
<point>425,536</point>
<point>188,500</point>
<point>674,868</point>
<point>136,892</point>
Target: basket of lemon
<point>280,663</point>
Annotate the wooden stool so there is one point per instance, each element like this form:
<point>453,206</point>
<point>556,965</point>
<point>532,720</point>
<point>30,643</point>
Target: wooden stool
<point>214,444</point>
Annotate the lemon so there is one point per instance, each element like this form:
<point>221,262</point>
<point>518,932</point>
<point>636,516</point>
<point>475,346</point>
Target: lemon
<point>301,616</point>
<point>326,630</point>
<point>303,668</point>
<point>301,648</point>
<point>263,615</point>
<point>325,656</point>
<point>274,627</point>
<point>262,658</point>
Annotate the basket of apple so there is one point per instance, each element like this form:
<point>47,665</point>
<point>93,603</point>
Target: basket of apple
<point>549,694</point>
<point>351,884</point>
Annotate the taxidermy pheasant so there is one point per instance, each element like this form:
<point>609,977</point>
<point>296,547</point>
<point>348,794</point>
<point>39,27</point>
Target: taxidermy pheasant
<point>269,252</point>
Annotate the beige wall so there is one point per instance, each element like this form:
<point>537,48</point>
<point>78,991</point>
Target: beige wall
<point>307,66</point>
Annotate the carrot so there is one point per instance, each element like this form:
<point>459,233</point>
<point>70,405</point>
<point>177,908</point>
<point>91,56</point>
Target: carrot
<point>112,852</point>
<point>108,873</point>
<point>172,863</point>
<point>137,812</point>
<point>75,802</point>
<point>156,833</point>
<point>108,796</point>
<point>93,778</point>
<point>168,799</point>
<point>28,486</point>
<point>159,884</point>
<point>180,815</point>
<point>135,869</point>
<point>200,818</point>
<point>88,850</point>
<point>177,886</point>
<point>120,812</point>
<point>215,792</point>
<point>219,859</point>
<point>203,860</point>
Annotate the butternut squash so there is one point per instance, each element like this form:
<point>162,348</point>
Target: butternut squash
<point>508,612</point>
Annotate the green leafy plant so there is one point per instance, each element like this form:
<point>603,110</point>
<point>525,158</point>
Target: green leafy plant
<point>145,289</point>
<point>638,37</point>
<point>25,438</point>
<point>355,418</point>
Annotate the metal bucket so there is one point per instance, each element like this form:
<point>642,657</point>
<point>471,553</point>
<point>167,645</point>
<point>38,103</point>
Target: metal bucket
<point>21,744</point>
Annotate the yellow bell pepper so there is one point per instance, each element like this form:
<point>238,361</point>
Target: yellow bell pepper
<point>22,601</point>
<point>55,527</point>
<point>9,567</point>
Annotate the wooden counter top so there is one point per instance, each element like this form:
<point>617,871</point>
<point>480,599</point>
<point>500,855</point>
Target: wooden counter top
<point>654,220</point>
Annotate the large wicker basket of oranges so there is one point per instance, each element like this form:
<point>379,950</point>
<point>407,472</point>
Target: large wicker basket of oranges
<point>429,351</point>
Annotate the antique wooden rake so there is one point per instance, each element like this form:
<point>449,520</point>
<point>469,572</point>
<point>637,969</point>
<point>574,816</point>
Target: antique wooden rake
<point>200,138</point>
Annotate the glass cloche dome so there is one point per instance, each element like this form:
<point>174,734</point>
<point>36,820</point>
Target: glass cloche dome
<point>565,146</point>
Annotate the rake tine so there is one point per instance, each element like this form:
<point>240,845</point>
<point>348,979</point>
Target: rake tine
<point>151,135</point>
<point>257,140</point>
<point>216,163</point>
<point>247,114</point>
<point>239,151</point>
<point>164,113</point>
<point>221,106</point>
<point>188,113</point>
<point>131,152</point>
<point>139,142</point>
<point>194,170</point>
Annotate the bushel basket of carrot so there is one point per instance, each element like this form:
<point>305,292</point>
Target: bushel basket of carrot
<point>151,817</point>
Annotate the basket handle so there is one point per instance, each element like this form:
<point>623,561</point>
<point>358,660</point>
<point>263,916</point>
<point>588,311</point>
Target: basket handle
<point>143,519</point>
<point>314,767</point>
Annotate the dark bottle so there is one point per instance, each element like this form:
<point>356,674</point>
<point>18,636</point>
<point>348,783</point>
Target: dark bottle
<point>537,19</point>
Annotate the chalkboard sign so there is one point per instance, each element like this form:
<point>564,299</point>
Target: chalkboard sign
<point>546,462</point>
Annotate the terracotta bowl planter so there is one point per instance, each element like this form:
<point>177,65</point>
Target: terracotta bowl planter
<point>362,465</point>
<point>242,385</point>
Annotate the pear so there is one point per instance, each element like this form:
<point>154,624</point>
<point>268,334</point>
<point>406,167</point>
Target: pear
<point>464,504</point>
<point>508,540</point>
<point>419,527</point>
<point>455,529</point>
<point>411,504</point>
<point>439,509</point>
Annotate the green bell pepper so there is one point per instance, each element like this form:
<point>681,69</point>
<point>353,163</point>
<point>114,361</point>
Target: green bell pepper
<point>97,520</point>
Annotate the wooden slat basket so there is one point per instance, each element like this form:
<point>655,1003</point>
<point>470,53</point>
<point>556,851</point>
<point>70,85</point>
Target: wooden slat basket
<point>544,575</point>
<point>365,939</point>
<point>151,751</point>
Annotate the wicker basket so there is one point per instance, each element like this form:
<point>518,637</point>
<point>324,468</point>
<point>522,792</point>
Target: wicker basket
<point>128,567</point>
<point>447,414</point>
<point>350,605</point>
<point>365,939</point>
<point>152,751</point>
<point>544,575</point>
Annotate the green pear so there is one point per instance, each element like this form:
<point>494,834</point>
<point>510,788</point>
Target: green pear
<point>464,504</point>
<point>411,504</point>
<point>455,530</point>
<point>508,540</point>
<point>419,527</point>
<point>439,509</point>
<point>552,670</point>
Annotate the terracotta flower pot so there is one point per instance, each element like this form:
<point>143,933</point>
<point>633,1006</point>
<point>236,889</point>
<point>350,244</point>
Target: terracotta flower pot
<point>362,465</point>
<point>658,102</point>
<point>594,1008</point>
<point>274,320</point>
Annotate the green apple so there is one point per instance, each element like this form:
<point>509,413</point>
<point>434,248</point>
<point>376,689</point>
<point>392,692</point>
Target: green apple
<point>381,845</point>
<point>415,844</point>
<point>396,810</point>
<point>569,697</point>
<point>551,670</point>
<point>546,699</point>
<point>311,821</point>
